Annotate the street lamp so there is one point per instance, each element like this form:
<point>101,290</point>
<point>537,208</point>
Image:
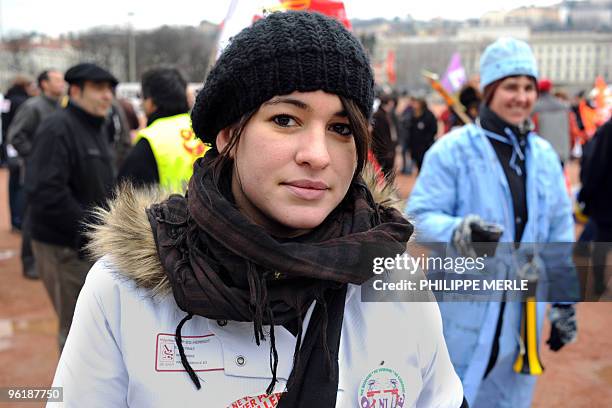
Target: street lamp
<point>131,49</point>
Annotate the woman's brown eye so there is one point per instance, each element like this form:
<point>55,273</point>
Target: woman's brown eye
<point>283,120</point>
<point>342,129</point>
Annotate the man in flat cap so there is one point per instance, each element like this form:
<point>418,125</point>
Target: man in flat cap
<point>71,172</point>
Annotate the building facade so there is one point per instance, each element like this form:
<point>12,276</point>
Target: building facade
<point>571,59</point>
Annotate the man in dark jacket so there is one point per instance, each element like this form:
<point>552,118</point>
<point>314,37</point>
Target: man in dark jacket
<point>70,171</point>
<point>21,136</point>
<point>596,194</point>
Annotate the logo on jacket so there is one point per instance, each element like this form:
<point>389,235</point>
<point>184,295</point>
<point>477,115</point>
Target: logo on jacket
<point>191,144</point>
<point>382,388</point>
<point>167,353</point>
<point>260,401</point>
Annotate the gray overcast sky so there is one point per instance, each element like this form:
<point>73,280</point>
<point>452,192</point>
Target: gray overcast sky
<point>57,16</point>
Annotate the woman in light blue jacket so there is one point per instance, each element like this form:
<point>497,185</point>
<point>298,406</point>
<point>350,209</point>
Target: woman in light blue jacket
<point>497,172</point>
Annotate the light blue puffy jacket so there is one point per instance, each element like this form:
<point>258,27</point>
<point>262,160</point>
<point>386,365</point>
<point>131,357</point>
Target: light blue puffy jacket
<point>462,175</point>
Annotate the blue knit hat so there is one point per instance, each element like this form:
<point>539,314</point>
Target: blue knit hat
<point>506,57</point>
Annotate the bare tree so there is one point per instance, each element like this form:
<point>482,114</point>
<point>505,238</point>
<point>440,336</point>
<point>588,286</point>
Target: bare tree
<point>105,46</point>
<point>186,48</point>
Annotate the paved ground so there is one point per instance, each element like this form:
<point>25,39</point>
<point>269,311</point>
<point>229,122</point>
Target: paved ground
<point>579,376</point>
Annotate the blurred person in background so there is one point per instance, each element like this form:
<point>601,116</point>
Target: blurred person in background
<point>498,175</point>
<point>578,98</point>
<point>22,88</point>
<point>166,149</point>
<point>384,134</point>
<point>470,97</point>
<point>576,134</point>
<point>21,136</point>
<point>120,133</point>
<point>422,129</point>
<point>404,115</point>
<point>70,171</point>
<point>131,116</point>
<point>27,119</point>
<point>551,118</point>
<point>596,194</point>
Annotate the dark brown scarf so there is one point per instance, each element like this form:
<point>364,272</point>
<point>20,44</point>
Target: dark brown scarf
<point>224,267</point>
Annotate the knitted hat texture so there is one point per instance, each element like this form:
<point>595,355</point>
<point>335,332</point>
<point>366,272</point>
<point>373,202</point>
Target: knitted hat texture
<point>279,54</point>
<point>506,57</point>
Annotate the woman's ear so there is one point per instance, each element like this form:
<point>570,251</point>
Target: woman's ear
<point>223,138</point>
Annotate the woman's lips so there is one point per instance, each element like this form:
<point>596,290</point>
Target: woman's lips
<point>307,189</point>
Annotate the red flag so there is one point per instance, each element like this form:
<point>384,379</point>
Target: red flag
<point>330,8</point>
<point>603,101</point>
<point>391,77</point>
<point>243,13</point>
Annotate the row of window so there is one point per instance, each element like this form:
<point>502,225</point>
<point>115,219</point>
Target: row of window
<point>560,74</point>
<point>569,62</point>
<point>577,58</point>
<point>567,49</point>
<point>568,75</point>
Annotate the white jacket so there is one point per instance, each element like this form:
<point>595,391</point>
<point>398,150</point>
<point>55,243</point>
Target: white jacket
<point>121,349</point>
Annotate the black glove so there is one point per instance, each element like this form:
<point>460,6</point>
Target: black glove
<point>563,326</point>
<point>473,229</point>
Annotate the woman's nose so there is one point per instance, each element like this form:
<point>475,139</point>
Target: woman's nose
<point>313,149</point>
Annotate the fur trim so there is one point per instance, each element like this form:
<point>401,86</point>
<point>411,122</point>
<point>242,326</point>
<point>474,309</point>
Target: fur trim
<point>383,190</point>
<point>123,234</point>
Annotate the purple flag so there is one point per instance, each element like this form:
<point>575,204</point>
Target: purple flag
<point>455,74</point>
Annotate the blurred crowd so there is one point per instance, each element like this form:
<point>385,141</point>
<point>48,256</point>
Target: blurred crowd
<point>69,143</point>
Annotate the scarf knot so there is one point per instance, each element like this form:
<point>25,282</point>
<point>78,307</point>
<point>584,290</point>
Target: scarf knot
<point>224,267</point>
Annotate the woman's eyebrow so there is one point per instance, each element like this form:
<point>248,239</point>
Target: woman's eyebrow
<point>342,114</point>
<point>300,104</point>
<point>290,101</point>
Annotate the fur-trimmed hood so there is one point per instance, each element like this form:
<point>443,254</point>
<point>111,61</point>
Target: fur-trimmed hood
<point>123,232</point>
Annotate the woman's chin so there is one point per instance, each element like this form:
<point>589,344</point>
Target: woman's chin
<point>304,219</point>
<point>516,120</point>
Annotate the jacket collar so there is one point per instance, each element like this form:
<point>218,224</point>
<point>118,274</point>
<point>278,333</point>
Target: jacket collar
<point>83,115</point>
<point>490,121</point>
<point>49,100</point>
<point>161,114</point>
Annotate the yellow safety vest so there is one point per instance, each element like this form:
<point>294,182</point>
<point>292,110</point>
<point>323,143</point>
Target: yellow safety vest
<point>175,148</point>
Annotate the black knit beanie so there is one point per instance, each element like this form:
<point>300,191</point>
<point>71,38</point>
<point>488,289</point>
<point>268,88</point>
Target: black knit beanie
<point>279,54</point>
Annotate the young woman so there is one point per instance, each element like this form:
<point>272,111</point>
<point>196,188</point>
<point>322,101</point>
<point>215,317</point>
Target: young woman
<point>499,172</point>
<point>245,291</point>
